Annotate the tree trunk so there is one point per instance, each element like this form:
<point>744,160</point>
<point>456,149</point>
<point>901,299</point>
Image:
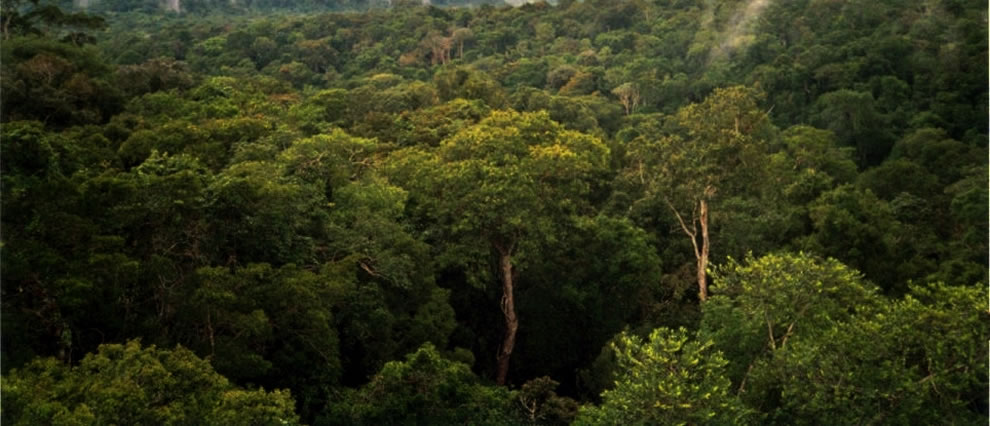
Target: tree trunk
<point>6,25</point>
<point>509,311</point>
<point>700,215</point>
<point>703,257</point>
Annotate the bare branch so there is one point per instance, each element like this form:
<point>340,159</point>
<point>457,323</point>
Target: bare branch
<point>773,341</point>
<point>742,384</point>
<point>790,329</point>
<point>692,234</point>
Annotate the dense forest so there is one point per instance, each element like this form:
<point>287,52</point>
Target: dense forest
<point>451,212</point>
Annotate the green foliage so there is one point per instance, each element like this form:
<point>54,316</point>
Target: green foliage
<point>59,83</point>
<point>534,175</point>
<point>304,197</point>
<point>264,215</point>
<point>715,146</point>
<point>808,340</point>
<point>468,84</point>
<point>128,384</point>
<point>541,405</point>
<point>154,75</point>
<point>969,202</point>
<point>919,359</point>
<point>49,20</point>
<point>576,302</point>
<point>254,305</point>
<point>429,126</point>
<point>668,379</point>
<point>423,389</point>
<point>329,161</point>
<point>704,154</point>
<point>853,118</point>
<point>855,226</point>
<point>815,156</point>
<point>765,304</point>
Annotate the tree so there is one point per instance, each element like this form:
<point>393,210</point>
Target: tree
<point>323,110</point>
<point>429,126</point>
<point>130,384</point>
<point>921,359</point>
<point>601,276</point>
<point>154,75</point>
<point>423,389</point>
<point>766,303</point>
<point>541,405</point>
<point>668,379</point>
<point>385,299</point>
<point>468,83</point>
<point>49,20</point>
<point>439,47</point>
<point>628,94</point>
<point>967,209</point>
<point>807,339</point>
<point>506,186</point>
<point>260,216</point>
<point>859,229</point>
<point>717,147</point>
<point>268,326</point>
<point>809,163</point>
<point>58,83</point>
<point>460,36</point>
<point>44,236</point>
<point>855,120</point>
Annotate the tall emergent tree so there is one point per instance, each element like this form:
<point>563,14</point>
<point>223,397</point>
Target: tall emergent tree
<point>504,188</point>
<point>714,146</point>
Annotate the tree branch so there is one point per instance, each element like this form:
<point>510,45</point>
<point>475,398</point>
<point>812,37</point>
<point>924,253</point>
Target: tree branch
<point>790,329</point>
<point>742,384</point>
<point>693,235</point>
<point>773,341</point>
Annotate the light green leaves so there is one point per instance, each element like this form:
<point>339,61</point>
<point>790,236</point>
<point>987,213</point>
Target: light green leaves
<point>424,389</point>
<point>919,360</point>
<point>128,384</point>
<point>767,303</point>
<point>809,341</point>
<point>511,180</point>
<point>787,290</point>
<point>668,379</point>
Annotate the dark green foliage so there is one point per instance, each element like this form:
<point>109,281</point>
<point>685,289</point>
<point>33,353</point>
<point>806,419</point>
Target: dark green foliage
<point>541,405</point>
<point>580,303</point>
<point>302,199</point>
<point>55,82</point>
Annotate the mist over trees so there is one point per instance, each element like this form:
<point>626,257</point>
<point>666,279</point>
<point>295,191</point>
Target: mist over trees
<point>454,212</point>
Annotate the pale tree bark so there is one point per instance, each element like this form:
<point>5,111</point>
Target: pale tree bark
<point>703,257</point>
<point>459,36</point>
<point>440,47</point>
<point>509,312</point>
<point>699,217</point>
<point>446,44</point>
<point>628,95</point>
<point>6,25</point>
